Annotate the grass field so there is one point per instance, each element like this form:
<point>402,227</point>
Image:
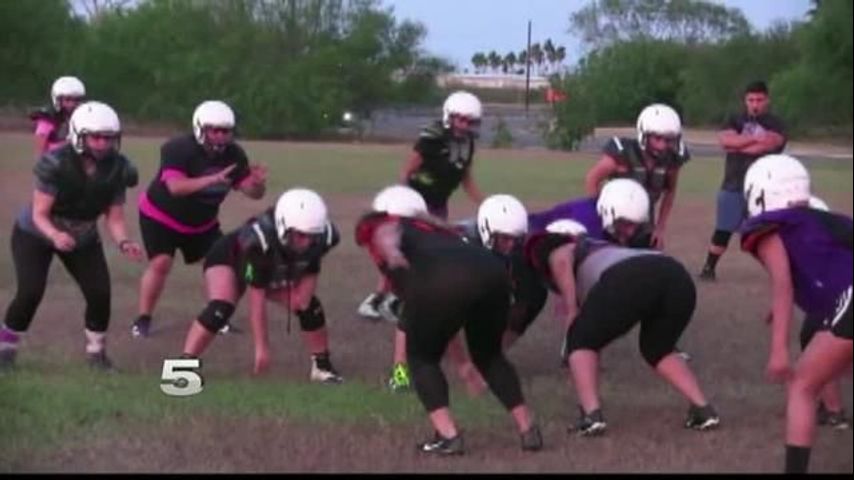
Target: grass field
<point>56,416</point>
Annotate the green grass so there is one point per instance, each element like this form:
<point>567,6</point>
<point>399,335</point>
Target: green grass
<point>41,410</point>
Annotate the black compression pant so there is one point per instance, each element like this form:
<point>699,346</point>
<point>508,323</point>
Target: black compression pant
<point>86,264</point>
<point>461,291</point>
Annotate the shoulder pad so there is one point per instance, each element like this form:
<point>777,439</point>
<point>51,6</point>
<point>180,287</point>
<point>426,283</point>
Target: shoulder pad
<point>434,131</point>
<point>755,230</point>
<point>48,167</point>
<point>331,236</point>
<point>130,175</point>
<point>42,113</point>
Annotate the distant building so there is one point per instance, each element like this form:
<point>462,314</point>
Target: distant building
<point>497,81</point>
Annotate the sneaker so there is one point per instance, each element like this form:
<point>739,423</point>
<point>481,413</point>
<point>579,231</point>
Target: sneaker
<point>443,446</point>
<point>685,355</point>
<point>532,440</point>
<point>590,424</point>
<point>389,309</point>
<point>399,380</point>
<point>7,359</point>
<point>835,420</point>
<point>99,361</point>
<point>702,418</point>
<point>141,326</point>
<point>322,370</point>
<point>708,274</point>
<point>370,306</point>
<point>229,328</point>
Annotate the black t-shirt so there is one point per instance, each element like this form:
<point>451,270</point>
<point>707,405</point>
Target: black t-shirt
<point>183,155</point>
<point>445,161</point>
<point>738,163</point>
<point>261,261</point>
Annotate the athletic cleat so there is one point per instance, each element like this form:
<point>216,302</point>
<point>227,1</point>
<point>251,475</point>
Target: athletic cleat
<point>708,274</point>
<point>590,425</point>
<point>389,309</point>
<point>7,359</point>
<point>532,440</point>
<point>443,446</point>
<point>370,306</point>
<point>99,361</point>
<point>835,420</point>
<point>399,380</point>
<point>702,418</point>
<point>322,370</point>
<point>141,326</point>
<point>685,355</point>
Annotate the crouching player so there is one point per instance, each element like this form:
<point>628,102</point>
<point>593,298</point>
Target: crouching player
<point>277,256</point>
<point>607,290</point>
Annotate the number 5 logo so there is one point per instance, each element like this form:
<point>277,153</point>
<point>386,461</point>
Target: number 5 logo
<point>180,378</point>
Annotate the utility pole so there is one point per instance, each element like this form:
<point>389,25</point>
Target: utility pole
<point>528,70</point>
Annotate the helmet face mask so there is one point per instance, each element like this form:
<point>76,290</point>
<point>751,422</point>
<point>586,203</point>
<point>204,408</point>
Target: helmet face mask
<point>776,182</point>
<point>301,219</point>
<point>213,125</point>
<point>67,93</point>
<point>94,128</point>
<point>502,222</point>
<point>399,200</point>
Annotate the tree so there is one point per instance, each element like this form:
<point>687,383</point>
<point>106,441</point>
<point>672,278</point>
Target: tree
<point>817,90</point>
<point>549,51</point>
<point>537,56</point>
<point>510,62</point>
<point>560,55</point>
<point>494,60</point>
<point>479,61</point>
<point>604,22</point>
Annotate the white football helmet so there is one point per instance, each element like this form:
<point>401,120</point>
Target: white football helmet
<point>566,227</point>
<point>461,103</point>
<point>211,113</point>
<point>302,210</point>
<point>66,87</point>
<point>92,117</point>
<point>501,214</point>
<point>400,200</point>
<point>775,182</point>
<point>658,119</point>
<point>818,204</point>
<point>622,198</point>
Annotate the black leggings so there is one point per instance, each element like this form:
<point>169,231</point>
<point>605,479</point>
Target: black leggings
<point>86,264</point>
<point>653,290</point>
<point>464,290</point>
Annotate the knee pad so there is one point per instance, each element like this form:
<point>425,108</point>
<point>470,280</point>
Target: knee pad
<point>721,238</point>
<point>312,318</point>
<point>216,315</point>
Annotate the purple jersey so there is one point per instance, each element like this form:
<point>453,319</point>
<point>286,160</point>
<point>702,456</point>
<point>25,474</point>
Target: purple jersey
<point>582,210</point>
<point>818,245</point>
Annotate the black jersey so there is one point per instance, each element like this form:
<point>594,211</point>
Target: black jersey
<point>260,259</point>
<point>445,161</point>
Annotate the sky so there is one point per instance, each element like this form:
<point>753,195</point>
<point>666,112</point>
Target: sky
<point>457,29</point>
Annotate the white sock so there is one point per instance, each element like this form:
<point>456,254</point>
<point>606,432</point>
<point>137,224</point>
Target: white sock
<point>95,341</point>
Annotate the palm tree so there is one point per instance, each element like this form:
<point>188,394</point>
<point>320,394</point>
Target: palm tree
<point>479,61</point>
<point>494,60</point>
<point>510,62</point>
<point>549,50</point>
<point>537,56</point>
<point>560,55</point>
